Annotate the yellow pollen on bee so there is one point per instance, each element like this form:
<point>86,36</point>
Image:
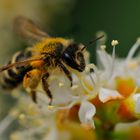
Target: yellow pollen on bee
<point>39,47</point>
<point>38,63</point>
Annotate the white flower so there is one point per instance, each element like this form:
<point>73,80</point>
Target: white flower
<point>86,113</point>
<point>86,86</point>
<point>108,94</point>
<point>112,67</point>
<point>136,98</point>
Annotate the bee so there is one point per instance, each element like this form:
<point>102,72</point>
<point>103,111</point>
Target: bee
<point>34,64</point>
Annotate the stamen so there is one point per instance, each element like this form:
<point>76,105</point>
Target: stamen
<point>92,79</point>
<point>92,90</point>
<point>113,43</point>
<point>88,69</point>
<point>93,67</point>
<point>133,50</point>
<point>103,47</point>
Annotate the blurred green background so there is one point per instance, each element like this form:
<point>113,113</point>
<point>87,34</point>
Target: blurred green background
<point>119,19</point>
<point>78,19</point>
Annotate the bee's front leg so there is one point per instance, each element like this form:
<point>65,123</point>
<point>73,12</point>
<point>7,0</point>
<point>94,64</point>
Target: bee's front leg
<point>66,71</point>
<point>46,87</point>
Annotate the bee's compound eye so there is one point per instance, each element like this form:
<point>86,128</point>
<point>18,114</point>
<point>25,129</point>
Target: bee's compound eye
<point>72,62</point>
<point>67,58</point>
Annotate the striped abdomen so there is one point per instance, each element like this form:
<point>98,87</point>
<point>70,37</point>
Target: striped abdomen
<point>11,78</point>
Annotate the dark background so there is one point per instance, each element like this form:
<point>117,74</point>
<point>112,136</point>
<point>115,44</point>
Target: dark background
<point>77,19</point>
<point>120,20</point>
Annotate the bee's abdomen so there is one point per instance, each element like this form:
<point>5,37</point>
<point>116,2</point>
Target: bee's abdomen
<point>11,78</point>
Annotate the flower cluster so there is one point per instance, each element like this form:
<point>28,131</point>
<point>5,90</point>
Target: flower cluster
<point>104,98</point>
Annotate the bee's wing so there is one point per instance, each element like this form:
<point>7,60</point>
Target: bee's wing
<point>27,29</point>
<point>21,63</point>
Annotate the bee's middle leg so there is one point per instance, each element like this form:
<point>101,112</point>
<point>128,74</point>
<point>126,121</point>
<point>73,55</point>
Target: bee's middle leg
<point>46,87</point>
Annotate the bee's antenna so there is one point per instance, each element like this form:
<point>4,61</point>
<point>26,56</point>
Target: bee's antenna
<point>91,42</point>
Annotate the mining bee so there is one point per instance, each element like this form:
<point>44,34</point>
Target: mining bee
<point>34,64</point>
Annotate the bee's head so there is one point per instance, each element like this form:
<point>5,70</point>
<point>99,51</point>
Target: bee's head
<point>73,57</point>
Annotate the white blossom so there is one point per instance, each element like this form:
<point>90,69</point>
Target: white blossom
<point>86,113</point>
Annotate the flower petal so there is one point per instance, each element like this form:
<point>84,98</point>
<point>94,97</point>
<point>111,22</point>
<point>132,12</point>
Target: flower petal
<point>104,59</point>
<point>136,98</point>
<point>107,95</point>
<point>86,113</point>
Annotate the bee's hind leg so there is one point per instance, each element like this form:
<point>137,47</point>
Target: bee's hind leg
<point>33,96</point>
<point>31,81</point>
<point>46,87</point>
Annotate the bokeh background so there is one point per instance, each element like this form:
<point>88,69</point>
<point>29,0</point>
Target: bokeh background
<point>77,19</point>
